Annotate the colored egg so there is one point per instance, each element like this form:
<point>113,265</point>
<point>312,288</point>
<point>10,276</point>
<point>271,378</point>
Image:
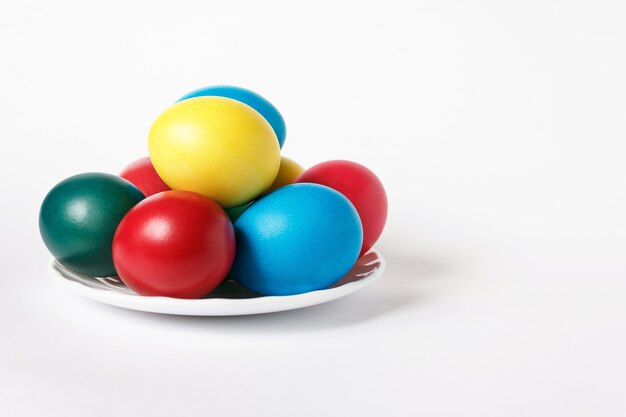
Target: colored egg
<point>252,99</point>
<point>287,173</point>
<point>176,244</point>
<point>78,218</point>
<point>361,186</point>
<point>215,146</point>
<point>300,238</point>
<point>142,175</point>
<point>234,212</point>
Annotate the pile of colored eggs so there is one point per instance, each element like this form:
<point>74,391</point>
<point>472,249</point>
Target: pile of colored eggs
<point>215,199</point>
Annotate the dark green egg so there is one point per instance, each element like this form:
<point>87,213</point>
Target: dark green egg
<point>234,212</point>
<point>78,219</point>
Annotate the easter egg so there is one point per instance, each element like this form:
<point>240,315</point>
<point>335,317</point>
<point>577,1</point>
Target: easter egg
<point>252,99</point>
<point>287,173</point>
<point>142,175</point>
<point>234,212</point>
<point>78,218</point>
<point>176,244</point>
<point>361,186</point>
<point>215,146</point>
<point>300,238</point>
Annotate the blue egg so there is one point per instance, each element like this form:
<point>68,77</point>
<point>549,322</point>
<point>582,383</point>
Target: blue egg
<point>300,238</point>
<point>252,99</point>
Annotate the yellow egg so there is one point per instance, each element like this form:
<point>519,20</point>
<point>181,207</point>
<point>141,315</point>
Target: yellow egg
<point>217,147</point>
<point>287,173</point>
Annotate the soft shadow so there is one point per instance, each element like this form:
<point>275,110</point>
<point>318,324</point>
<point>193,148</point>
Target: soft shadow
<point>402,285</point>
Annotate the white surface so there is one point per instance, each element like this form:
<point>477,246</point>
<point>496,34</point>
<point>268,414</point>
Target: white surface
<point>111,291</point>
<point>497,127</point>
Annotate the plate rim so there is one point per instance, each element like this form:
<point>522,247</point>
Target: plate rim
<point>216,306</point>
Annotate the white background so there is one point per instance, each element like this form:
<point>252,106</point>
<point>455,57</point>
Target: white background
<point>497,127</point>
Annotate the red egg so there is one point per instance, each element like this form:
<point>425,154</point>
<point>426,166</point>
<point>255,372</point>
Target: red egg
<point>176,244</point>
<point>142,175</point>
<point>361,186</point>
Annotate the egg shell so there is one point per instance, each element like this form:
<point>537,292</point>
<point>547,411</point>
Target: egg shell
<point>288,171</point>
<point>361,186</point>
<point>176,244</point>
<point>215,146</point>
<point>142,175</point>
<point>300,238</point>
<point>234,212</point>
<point>78,219</point>
<point>252,99</point>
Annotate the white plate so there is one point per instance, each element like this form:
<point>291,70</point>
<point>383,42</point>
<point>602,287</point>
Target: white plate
<point>229,299</point>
